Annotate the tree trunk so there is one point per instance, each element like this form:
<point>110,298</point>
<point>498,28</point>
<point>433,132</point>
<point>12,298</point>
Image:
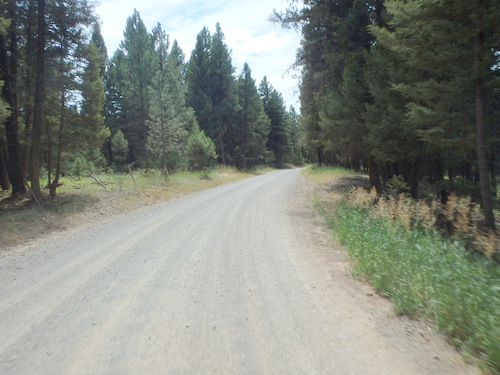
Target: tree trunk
<point>243,150</point>
<point>14,150</point>
<point>39,103</point>
<point>482,156</point>
<point>468,170</point>
<point>493,179</point>
<point>452,173</point>
<point>374,175</point>
<point>4,178</point>
<point>53,185</point>
<point>319,155</point>
<point>48,152</point>
<point>29,82</point>
<point>221,145</point>
<point>4,175</point>
<point>385,173</point>
<point>413,177</point>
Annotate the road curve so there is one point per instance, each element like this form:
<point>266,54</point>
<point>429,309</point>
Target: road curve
<point>226,281</point>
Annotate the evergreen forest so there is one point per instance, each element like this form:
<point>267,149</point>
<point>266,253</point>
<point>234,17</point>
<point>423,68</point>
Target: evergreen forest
<point>407,90</point>
<point>68,107</point>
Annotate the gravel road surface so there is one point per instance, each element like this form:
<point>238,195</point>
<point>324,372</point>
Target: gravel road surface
<point>234,280</point>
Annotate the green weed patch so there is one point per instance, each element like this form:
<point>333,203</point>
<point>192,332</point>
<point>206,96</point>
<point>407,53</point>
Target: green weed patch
<point>427,276</point>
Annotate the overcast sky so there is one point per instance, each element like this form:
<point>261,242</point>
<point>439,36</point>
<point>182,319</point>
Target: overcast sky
<point>268,50</point>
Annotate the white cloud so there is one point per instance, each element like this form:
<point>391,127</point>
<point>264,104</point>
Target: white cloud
<point>267,48</point>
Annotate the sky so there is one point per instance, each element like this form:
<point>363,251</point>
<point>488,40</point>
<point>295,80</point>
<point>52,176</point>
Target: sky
<point>267,48</point>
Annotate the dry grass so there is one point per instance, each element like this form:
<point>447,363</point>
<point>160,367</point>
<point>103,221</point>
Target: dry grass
<point>325,175</point>
<point>332,184</point>
<point>82,200</point>
<point>460,216</point>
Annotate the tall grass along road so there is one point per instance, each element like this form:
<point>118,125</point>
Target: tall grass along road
<point>232,280</point>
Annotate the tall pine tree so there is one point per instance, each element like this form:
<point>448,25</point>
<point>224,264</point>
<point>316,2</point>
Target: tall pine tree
<point>170,118</point>
<point>9,61</point>
<point>199,90</point>
<point>252,125</point>
<point>222,95</point>
<point>134,79</point>
<point>278,142</point>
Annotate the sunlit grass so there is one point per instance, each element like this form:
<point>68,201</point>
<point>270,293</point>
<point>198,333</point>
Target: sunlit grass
<point>22,220</point>
<point>324,175</point>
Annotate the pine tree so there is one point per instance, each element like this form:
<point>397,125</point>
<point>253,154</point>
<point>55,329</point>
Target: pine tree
<point>98,40</point>
<point>4,114</point>
<point>296,145</point>
<point>342,102</point>
<point>39,100</point>
<point>278,142</point>
<point>137,70</point>
<point>252,127</point>
<point>67,21</point>
<point>9,53</point>
<point>183,120</point>
<point>200,150</point>
<point>211,90</point>
<point>119,148</point>
<point>114,112</point>
<point>392,140</point>
<point>41,61</point>
<point>27,74</point>
<point>158,137</point>
<point>333,32</point>
<point>93,133</point>
<point>170,119</point>
<point>4,177</point>
<point>313,134</point>
<point>222,96</point>
<point>342,113</point>
<point>199,90</point>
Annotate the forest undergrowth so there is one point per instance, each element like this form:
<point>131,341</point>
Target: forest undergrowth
<point>431,260</point>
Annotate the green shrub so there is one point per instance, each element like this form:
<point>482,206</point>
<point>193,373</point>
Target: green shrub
<point>77,165</point>
<point>119,148</point>
<point>200,150</point>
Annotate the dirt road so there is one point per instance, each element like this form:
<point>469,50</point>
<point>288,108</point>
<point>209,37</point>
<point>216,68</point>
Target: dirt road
<point>233,280</point>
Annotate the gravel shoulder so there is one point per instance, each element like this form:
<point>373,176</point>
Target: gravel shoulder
<point>242,278</point>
